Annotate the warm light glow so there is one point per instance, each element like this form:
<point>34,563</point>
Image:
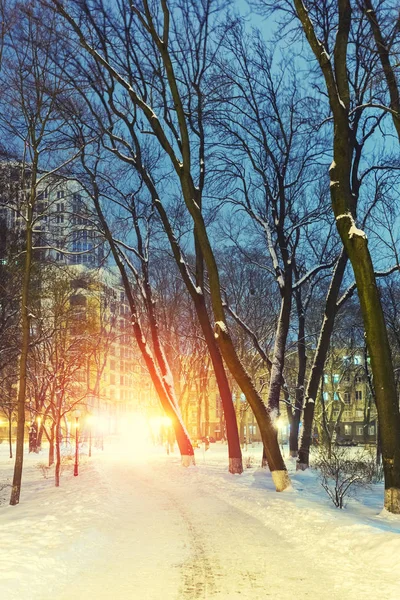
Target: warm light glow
<point>134,435</point>
<point>39,420</point>
<point>280,424</point>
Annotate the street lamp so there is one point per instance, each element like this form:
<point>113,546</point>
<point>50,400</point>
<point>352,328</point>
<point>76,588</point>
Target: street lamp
<point>77,414</point>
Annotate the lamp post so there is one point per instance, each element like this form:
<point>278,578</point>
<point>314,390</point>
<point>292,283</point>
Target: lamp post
<point>77,414</point>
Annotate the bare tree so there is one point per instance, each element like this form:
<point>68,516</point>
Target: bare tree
<point>31,121</point>
<point>334,69</point>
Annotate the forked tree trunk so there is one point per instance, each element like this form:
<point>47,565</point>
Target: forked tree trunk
<point>356,246</point>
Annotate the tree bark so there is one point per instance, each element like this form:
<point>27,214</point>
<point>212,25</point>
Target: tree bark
<point>356,246</point>
<point>317,369</point>
<point>10,434</point>
<point>25,325</point>
<point>301,375</point>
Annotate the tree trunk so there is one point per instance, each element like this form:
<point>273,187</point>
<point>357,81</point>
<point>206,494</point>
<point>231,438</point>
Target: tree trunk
<point>232,434</point>
<point>301,375</point>
<point>356,245</point>
<point>278,359</point>
<point>51,444</point>
<point>268,431</point>
<point>318,366</point>
<point>10,434</point>
<point>57,469</point>
<point>23,363</point>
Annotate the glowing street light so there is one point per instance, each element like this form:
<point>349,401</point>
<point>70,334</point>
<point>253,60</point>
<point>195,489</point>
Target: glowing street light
<point>77,414</point>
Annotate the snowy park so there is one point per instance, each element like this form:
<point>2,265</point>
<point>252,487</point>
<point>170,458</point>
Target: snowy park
<point>199,300</point>
<point>137,525</point>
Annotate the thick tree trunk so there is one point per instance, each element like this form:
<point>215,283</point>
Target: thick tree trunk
<point>356,245</point>
<point>268,431</point>
<point>318,366</point>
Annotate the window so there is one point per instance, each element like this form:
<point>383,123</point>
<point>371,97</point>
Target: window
<point>335,396</point>
<point>326,378</point>
<point>371,430</point>
<point>112,379</point>
<point>346,377</point>
<point>60,219</point>
<point>60,194</point>
<point>360,430</point>
<point>336,378</point>
<point>357,359</point>
<point>358,378</point>
<point>359,394</point>
<point>326,396</point>
<point>359,414</point>
<point>347,397</point>
<point>347,430</point>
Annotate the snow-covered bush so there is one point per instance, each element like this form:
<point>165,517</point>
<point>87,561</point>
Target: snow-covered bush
<point>341,471</point>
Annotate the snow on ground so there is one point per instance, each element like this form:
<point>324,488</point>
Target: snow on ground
<point>139,526</point>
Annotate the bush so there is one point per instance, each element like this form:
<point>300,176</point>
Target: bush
<point>248,462</point>
<point>44,469</point>
<point>341,472</point>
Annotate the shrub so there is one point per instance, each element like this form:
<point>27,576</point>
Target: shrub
<point>342,471</point>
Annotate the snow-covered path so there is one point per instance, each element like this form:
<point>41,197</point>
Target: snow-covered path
<point>152,530</point>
